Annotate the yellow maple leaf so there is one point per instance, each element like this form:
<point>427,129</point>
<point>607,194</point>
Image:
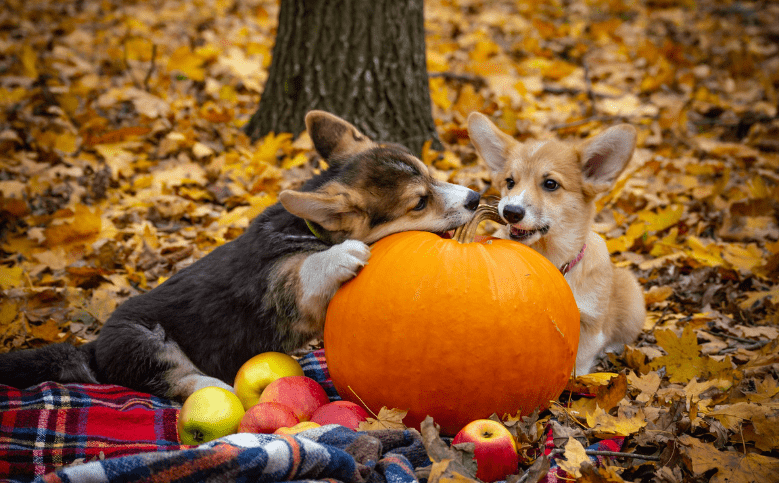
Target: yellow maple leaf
<point>82,227</point>
<point>468,101</point>
<point>619,244</point>
<point>386,419</point>
<point>48,331</point>
<point>483,50</point>
<point>439,93</point>
<point>604,423</point>
<point>753,297</point>
<point>732,415</point>
<point>657,294</point>
<point>187,63</point>
<point>9,311</point>
<point>743,258</point>
<point>647,384</point>
<point>664,218</point>
<point>267,150</point>
<point>666,245</point>
<point>242,215</point>
<point>705,254</point>
<point>10,277</point>
<point>575,457</point>
<point>298,160</point>
<point>448,161</point>
<point>683,359</point>
<point>101,304</point>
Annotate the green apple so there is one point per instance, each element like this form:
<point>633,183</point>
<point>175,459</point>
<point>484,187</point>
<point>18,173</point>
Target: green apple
<point>209,413</point>
<point>259,371</point>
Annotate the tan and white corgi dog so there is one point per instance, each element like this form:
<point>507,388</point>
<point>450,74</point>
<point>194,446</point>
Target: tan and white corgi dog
<point>548,191</point>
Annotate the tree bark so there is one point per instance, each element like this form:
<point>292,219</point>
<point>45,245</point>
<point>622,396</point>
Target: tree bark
<point>363,60</point>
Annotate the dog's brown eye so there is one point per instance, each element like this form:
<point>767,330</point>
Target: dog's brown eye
<point>551,185</point>
<point>509,183</point>
<point>422,204</point>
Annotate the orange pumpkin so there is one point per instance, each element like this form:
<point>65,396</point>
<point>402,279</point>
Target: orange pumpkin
<point>456,331</point>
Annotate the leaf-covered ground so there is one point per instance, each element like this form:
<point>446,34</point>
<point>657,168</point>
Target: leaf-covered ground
<point>122,160</point>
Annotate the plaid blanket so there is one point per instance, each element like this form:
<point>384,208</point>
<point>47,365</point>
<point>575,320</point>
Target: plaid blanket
<point>103,433</point>
<point>50,425</point>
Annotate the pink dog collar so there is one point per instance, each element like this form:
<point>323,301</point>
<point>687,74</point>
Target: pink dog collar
<point>568,266</point>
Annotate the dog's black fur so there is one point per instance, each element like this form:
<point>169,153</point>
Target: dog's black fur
<point>240,300</point>
<point>212,309</point>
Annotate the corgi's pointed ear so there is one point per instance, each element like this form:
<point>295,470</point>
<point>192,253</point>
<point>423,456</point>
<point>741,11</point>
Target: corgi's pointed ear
<point>332,136</point>
<point>605,156</point>
<point>327,210</point>
<point>491,143</point>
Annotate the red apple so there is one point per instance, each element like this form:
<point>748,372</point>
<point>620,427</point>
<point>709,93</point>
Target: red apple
<point>345,413</point>
<point>495,450</point>
<point>267,417</point>
<point>300,393</point>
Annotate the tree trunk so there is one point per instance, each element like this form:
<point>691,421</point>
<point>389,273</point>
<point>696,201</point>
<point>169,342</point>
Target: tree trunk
<point>363,60</point>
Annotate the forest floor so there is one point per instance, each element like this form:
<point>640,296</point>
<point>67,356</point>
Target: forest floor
<point>122,160</point>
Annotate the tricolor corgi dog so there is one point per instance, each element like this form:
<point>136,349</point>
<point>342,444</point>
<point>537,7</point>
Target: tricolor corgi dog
<point>268,289</point>
<point>548,191</point>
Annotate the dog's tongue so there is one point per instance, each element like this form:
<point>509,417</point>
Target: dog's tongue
<point>445,234</point>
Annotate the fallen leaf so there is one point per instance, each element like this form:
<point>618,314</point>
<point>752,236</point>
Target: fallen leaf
<point>647,384</point>
<point>48,331</point>
<point>608,388</point>
<point>11,277</point>
<point>82,226</point>
<point>730,466</point>
<point>683,360</point>
<point>606,425</point>
<point>454,462</point>
<point>386,419</point>
<point>574,458</point>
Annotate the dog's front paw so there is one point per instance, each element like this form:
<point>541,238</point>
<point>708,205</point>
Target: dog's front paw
<point>323,273</point>
<point>344,260</point>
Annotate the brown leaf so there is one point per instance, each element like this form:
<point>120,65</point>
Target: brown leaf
<point>731,466</point>
<point>48,331</point>
<point>386,419</point>
<point>456,459</point>
<point>609,389</point>
<point>79,226</point>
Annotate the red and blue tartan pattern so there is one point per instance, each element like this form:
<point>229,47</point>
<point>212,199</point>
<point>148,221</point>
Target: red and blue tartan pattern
<point>315,366</point>
<point>50,425</point>
<point>47,428</point>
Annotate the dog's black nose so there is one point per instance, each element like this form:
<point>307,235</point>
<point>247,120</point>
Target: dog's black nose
<point>472,201</point>
<point>513,214</point>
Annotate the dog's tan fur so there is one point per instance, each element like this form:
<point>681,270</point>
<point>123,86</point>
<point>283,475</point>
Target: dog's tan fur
<point>558,222</point>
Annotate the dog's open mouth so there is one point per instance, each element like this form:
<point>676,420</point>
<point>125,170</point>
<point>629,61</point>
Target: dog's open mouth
<point>521,235</point>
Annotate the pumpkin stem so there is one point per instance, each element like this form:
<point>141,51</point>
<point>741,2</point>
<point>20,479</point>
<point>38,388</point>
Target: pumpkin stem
<point>467,233</point>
